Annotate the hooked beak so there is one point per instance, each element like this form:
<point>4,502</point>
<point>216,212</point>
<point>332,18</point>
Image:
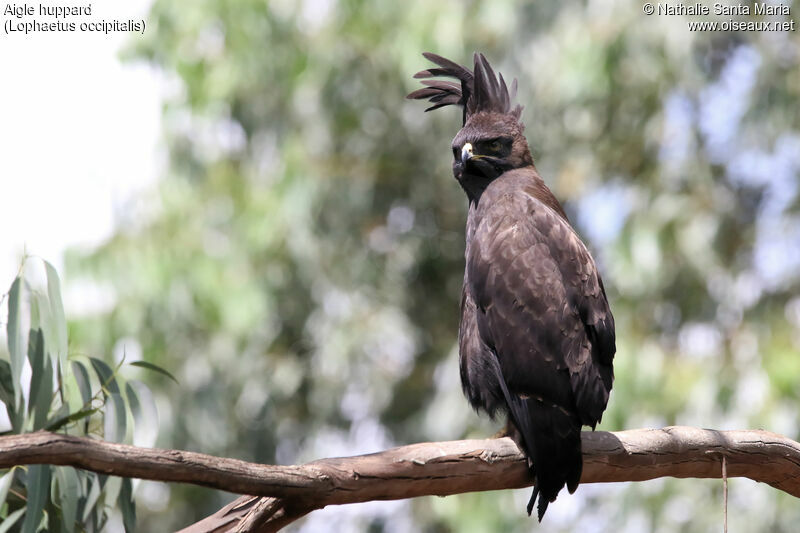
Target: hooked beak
<point>466,153</point>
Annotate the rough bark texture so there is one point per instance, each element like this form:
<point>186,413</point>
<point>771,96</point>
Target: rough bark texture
<point>436,468</point>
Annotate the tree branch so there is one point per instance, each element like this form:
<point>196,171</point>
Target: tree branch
<point>437,468</point>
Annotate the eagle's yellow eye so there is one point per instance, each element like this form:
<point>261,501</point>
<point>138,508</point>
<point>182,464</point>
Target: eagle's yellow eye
<point>495,146</point>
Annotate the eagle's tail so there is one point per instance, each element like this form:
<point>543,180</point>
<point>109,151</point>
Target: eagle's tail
<point>551,439</point>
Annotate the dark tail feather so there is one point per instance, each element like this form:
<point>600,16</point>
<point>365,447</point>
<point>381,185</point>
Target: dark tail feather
<point>551,438</point>
<point>555,448</point>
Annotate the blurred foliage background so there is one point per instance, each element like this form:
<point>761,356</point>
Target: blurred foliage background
<point>298,266</point>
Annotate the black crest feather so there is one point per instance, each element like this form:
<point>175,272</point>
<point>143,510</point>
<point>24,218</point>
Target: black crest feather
<point>479,89</point>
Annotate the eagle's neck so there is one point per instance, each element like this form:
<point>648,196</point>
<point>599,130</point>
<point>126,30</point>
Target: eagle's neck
<point>475,184</point>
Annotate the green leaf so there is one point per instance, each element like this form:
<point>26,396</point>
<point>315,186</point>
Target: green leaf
<point>36,358</point>
<point>7,390</point>
<point>40,313</point>
<point>59,422</point>
<point>57,316</point>
<point>127,506</point>
<point>38,486</point>
<point>42,320</point>
<point>105,374</point>
<point>85,387</point>
<point>145,414</point>
<point>5,484</point>
<point>15,341</point>
<point>60,413</point>
<point>11,520</point>
<point>41,390</point>
<point>92,496</point>
<point>82,379</point>
<point>112,489</point>
<point>68,493</point>
<point>44,400</point>
<point>154,368</point>
<point>133,403</point>
<point>116,422</point>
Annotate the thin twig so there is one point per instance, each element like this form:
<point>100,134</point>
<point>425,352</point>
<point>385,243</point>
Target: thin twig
<point>725,493</point>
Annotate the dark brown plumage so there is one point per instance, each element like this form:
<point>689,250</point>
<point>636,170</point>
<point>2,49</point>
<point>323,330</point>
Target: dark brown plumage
<point>536,338</point>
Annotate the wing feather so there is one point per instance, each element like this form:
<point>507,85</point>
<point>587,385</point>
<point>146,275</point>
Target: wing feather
<point>541,305</point>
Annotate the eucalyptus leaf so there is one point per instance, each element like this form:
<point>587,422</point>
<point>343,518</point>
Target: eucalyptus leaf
<point>133,403</point>
<point>5,484</point>
<point>112,489</point>
<point>41,384</point>
<point>116,419</point>
<point>127,506</point>
<point>59,422</point>
<point>45,324</point>
<point>105,374</point>
<point>155,368</point>
<point>68,494</point>
<point>57,313</point>
<point>40,316</point>
<point>60,498</point>
<point>146,421</point>
<point>15,341</point>
<point>7,389</point>
<point>95,489</point>
<point>38,486</point>
<point>36,350</point>
<point>81,375</point>
<point>82,379</point>
<point>45,398</point>
<point>52,417</point>
<point>11,519</point>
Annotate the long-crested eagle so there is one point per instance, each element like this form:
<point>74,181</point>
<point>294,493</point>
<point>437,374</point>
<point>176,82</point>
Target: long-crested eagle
<point>536,338</point>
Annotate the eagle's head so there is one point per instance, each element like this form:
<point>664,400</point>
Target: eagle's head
<point>491,140</point>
